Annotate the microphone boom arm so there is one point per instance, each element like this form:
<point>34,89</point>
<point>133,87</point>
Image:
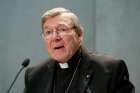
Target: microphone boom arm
<point>14,79</point>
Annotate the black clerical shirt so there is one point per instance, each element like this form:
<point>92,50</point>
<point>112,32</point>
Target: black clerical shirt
<point>63,76</point>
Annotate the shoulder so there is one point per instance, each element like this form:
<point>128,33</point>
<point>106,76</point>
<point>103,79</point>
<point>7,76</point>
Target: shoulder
<point>39,68</point>
<point>104,60</point>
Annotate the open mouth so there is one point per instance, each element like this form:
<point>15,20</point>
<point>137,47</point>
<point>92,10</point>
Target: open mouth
<point>58,47</point>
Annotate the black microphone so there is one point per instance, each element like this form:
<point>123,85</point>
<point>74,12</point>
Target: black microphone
<point>24,64</point>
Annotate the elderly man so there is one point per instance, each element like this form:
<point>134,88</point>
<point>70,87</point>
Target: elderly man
<point>71,68</point>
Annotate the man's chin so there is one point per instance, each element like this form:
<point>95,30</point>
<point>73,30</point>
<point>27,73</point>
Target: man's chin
<point>60,58</point>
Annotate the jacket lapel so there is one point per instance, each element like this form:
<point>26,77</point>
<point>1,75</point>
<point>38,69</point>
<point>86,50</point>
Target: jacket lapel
<point>50,77</point>
<point>87,72</point>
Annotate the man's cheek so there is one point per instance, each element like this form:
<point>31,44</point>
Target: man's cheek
<point>69,46</point>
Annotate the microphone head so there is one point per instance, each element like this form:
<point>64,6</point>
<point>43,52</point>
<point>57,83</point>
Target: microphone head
<point>26,62</point>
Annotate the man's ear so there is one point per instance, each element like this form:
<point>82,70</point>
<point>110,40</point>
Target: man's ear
<point>80,34</point>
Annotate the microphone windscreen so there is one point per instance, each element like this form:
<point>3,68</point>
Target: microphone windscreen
<point>26,62</point>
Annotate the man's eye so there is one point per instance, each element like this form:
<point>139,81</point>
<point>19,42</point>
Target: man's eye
<point>63,29</point>
<point>48,32</point>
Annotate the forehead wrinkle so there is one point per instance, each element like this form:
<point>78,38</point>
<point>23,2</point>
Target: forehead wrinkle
<point>61,21</point>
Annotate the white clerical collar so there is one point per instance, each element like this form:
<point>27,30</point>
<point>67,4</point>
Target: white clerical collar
<point>63,65</point>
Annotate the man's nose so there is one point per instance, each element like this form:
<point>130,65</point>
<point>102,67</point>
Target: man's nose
<point>56,35</point>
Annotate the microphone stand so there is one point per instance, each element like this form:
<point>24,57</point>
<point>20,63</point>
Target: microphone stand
<point>15,79</point>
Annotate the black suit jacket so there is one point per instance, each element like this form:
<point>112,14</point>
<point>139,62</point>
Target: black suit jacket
<point>97,74</point>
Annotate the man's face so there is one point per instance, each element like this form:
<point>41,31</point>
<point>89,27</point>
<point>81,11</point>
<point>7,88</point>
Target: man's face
<point>60,38</point>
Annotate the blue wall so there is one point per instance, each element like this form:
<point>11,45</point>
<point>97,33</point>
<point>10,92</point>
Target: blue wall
<point>118,32</point>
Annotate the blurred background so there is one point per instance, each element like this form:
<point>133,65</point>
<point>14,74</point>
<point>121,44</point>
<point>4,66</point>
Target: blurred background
<point>111,26</point>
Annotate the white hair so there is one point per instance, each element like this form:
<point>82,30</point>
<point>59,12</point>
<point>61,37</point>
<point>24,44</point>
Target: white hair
<point>58,11</point>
